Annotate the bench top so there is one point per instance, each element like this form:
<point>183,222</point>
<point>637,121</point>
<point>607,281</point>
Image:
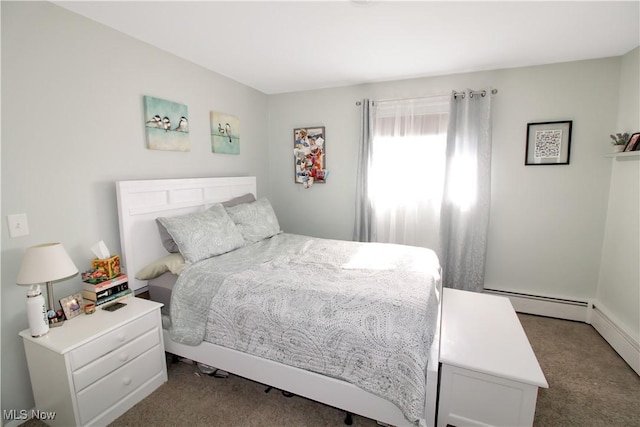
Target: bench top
<point>482,333</point>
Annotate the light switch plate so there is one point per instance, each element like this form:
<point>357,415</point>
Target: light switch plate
<point>18,225</point>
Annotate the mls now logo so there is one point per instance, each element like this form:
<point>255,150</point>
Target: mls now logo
<point>23,414</point>
<point>43,415</point>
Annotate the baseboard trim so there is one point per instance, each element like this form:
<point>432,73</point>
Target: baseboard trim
<point>623,343</point>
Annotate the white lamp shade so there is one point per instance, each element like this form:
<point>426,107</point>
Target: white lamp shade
<point>45,263</point>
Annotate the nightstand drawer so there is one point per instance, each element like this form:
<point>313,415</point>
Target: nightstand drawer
<point>111,341</point>
<point>97,369</point>
<point>101,395</point>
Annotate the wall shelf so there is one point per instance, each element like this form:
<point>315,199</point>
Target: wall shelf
<point>627,155</point>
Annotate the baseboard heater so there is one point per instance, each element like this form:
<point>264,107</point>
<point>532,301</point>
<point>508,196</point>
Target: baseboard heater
<point>589,312</point>
<point>560,308</point>
<point>617,336</point>
<point>614,324</point>
<point>538,297</point>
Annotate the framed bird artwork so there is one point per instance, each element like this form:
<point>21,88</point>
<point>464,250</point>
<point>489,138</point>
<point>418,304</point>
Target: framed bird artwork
<point>166,125</point>
<point>225,133</point>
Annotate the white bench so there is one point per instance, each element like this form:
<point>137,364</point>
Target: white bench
<point>489,374</point>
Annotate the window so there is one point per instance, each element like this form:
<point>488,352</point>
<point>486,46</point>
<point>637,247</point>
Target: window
<point>407,170</point>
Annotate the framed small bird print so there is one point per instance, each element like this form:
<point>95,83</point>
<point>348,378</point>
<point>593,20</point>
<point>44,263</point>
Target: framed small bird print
<point>166,125</point>
<point>225,133</point>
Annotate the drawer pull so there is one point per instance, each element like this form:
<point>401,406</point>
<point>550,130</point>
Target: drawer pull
<point>124,357</point>
<point>121,337</point>
<point>126,381</point>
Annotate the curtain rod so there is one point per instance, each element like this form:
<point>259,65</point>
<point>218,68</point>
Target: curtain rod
<point>455,94</point>
<point>474,92</point>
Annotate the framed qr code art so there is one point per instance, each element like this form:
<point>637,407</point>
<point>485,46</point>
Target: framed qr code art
<point>548,143</point>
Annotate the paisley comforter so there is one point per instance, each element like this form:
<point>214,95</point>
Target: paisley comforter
<point>361,312</point>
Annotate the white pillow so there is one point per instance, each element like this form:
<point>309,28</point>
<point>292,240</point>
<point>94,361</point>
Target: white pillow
<point>205,234</point>
<point>256,221</point>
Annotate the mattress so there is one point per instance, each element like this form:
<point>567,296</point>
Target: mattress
<point>160,289</point>
<point>361,312</point>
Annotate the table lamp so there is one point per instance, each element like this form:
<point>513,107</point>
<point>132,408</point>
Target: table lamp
<point>44,263</point>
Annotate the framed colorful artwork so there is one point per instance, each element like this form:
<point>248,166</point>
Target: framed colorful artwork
<point>166,125</point>
<point>548,143</point>
<point>309,152</point>
<point>225,133</point>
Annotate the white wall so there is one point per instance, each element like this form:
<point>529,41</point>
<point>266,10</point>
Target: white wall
<point>72,120</point>
<point>547,222</point>
<point>629,96</point>
<point>619,280</point>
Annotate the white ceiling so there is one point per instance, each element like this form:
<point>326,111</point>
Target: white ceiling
<point>278,47</point>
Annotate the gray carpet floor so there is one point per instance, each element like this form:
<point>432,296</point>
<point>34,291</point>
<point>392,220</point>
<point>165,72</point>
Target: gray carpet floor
<point>589,385</point>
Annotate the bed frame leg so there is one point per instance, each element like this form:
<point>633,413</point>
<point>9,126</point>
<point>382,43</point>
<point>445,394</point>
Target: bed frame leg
<point>284,393</point>
<point>348,420</point>
<point>219,373</point>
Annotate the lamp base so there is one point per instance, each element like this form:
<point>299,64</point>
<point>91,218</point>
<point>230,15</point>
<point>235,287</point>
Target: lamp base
<point>56,318</point>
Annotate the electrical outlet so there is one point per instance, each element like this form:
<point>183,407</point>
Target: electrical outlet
<point>18,225</point>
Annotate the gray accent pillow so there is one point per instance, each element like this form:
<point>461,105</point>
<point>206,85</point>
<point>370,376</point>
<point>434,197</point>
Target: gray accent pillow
<point>245,198</point>
<point>256,221</point>
<point>168,242</point>
<point>205,234</point>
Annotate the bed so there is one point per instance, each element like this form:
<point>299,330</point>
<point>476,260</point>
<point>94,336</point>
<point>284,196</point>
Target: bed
<point>198,331</point>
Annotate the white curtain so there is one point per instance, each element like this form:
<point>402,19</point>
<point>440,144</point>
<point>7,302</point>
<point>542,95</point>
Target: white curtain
<point>424,179</point>
<point>405,173</point>
<point>467,192</point>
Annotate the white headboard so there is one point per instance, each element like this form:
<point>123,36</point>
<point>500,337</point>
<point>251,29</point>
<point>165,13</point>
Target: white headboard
<point>141,202</point>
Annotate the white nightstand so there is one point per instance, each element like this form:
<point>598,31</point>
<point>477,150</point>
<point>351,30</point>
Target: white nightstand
<point>95,367</point>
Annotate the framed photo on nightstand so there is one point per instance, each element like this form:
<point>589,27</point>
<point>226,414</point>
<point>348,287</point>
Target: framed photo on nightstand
<point>72,305</point>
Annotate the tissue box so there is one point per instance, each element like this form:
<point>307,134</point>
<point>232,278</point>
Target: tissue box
<point>109,266</point>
